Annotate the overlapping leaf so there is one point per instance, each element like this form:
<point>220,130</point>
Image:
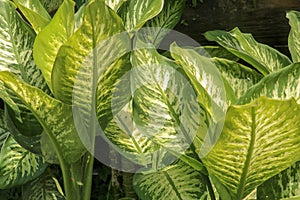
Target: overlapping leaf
<point>34,12</point>
<point>264,58</point>
<point>283,84</point>
<point>54,116</point>
<point>52,37</point>
<point>135,13</point>
<point>294,41</point>
<point>42,188</point>
<point>114,4</point>
<point>160,25</point>
<point>177,182</point>
<point>165,105</point>
<point>258,141</point>
<point>51,5</point>
<point>17,165</point>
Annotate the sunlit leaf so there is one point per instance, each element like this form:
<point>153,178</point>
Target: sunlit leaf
<point>34,12</point>
<point>258,141</point>
<point>264,58</point>
<point>52,37</point>
<point>114,4</point>
<point>135,13</point>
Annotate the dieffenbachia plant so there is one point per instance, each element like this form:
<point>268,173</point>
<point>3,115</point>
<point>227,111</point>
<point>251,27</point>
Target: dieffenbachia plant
<point>234,127</point>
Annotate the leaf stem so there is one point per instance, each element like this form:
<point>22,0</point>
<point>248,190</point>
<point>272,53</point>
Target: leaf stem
<point>210,188</point>
<point>88,177</point>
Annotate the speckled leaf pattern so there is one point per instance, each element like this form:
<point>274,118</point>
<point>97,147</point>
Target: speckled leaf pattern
<point>42,188</point>
<point>264,58</point>
<point>239,77</point>
<point>258,141</point>
<point>165,105</point>
<point>54,116</point>
<point>135,13</point>
<point>294,35</point>
<point>34,12</point>
<point>176,182</point>
<point>52,37</point>
<point>17,165</point>
<point>284,84</point>
<point>165,21</point>
<point>284,185</point>
<point>206,79</point>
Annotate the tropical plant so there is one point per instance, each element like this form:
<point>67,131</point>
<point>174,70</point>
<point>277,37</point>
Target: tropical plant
<point>234,127</point>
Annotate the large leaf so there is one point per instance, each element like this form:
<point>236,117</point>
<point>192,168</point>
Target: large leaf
<point>114,4</point>
<point>283,185</point>
<point>42,188</point>
<point>264,58</point>
<point>238,76</point>
<point>17,165</point>
<point>176,182</point>
<point>54,116</point>
<point>160,25</point>
<point>206,79</point>
<point>294,41</point>
<point>258,141</point>
<point>135,13</point>
<point>34,12</point>
<point>165,105</point>
<point>52,37</point>
<point>283,84</point>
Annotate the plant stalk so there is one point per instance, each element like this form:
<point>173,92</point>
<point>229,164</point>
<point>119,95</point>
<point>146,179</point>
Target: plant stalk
<point>88,177</point>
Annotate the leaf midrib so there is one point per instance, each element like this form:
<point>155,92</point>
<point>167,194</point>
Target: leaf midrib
<point>243,179</point>
<point>172,185</point>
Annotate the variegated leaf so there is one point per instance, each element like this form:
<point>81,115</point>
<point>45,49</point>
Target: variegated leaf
<point>114,4</point>
<point>17,165</point>
<point>54,116</point>
<point>283,84</point>
<point>294,41</point>
<point>52,37</point>
<point>258,141</point>
<point>284,185</point>
<point>160,25</point>
<point>238,76</point>
<point>176,182</point>
<point>165,106</point>
<point>215,51</point>
<point>135,13</point>
<point>34,12</point>
<point>42,188</point>
<point>264,58</point>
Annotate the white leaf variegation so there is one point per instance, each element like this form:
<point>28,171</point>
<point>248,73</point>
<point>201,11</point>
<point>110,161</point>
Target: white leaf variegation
<point>264,58</point>
<point>258,141</point>
<point>17,165</point>
<point>294,41</point>
<point>176,182</point>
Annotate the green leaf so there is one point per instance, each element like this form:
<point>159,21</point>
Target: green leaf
<point>114,4</point>
<point>264,58</point>
<point>135,13</point>
<point>54,116</point>
<point>52,5</point>
<point>17,165</point>
<point>178,181</point>
<point>52,37</point>
<point>206,79</point>
<point>165,105</point>
<point>215,51</point>
<point>258,141</point>
<point>42,188</point>
<point>239,77</point>
<point>283,185</point>
<point>98,33</point>
<point>34,12</point>
<point>294,41</point>
<point>283,84</point>
<point>165,21</point>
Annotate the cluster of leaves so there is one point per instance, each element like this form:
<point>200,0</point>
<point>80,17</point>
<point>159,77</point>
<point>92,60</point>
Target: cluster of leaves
<point>234,127</point>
